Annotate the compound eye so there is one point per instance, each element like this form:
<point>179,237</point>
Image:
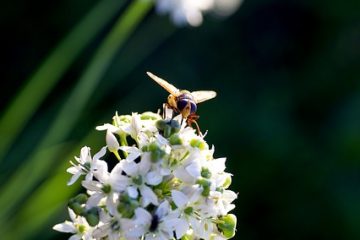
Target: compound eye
<point>181,104</point>
<point>193,107</point>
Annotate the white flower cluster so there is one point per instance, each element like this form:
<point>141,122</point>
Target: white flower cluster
<point>184,12</point>
<point>167,185</point>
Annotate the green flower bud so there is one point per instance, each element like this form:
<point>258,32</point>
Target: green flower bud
<point>106,188</point>
<point>175,140</point>
<point>127,206</point>
<point>92,216</point>
<point>119,120</point>
<point>227,182</point>
<point>175,126</point>
<point>168,127</point>
<point>149,116</point>
<point>205,173</point>
<point>156,152</point>
<point>160,124</point>
<point>81,198</point>
<point>167,131</point>
<point>76,207</point>
<point>198,143</point>
<point>227,225</point>
<point>205,184</point>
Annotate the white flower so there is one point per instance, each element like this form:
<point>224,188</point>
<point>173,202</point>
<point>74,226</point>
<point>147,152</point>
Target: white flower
<point>159,226</point>
<point>186,206</point>
<point>138,178</point>
<point>169,186</point>
<point>133,152</point>
<point>113,228</point>
<point>86,165</point>
<point>214,168</point>
<point>185,171</point>
<point>78,226</point>
<point>107,188</point>
<point>191,11</point>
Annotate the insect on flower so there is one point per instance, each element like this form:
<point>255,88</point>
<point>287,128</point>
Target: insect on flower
<point>183,101</point>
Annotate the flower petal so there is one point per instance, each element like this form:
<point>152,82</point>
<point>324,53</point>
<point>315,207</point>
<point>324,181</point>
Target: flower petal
<point>107,126</point>
<point>153,178</point>
<point>131,168</point>
<point>99,154</point>
<point>132,191</point>
<point>84,154</point>
<point>163,209</point>
<point>74,178</point>
<point>94,199</point>
<point>180,199</point>
<point>217,165</point>
<point>75,237</point>
<point>133,152</point>
<point>144,166</point>
<point>67,227</point>
<point>194,169</point>
<point>111,142</point>
<point>148,196</point>
<point>180,226</point>
<point>143,217</point>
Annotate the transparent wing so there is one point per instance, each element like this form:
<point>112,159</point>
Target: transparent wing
<point>202,96</point>
<point>167,86</point>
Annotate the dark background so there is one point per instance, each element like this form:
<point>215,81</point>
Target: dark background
<point>287,114</point>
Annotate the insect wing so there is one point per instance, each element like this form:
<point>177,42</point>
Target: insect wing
<point>202,96</point>
<point>167,86</point>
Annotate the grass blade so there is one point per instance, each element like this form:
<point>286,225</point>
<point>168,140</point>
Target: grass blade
<point>44,79</point>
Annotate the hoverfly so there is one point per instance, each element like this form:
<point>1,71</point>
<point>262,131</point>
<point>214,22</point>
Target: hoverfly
<point>183,101</point>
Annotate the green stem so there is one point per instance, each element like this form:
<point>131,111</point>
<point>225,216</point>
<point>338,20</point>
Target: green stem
<point>50,72</point>
<point>123,142</point>
<point>91,77</point>
<point>35,167</point>
<point>43,203</point>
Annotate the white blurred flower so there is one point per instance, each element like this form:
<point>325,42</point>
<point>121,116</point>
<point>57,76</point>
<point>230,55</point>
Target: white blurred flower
<point>191,12</point>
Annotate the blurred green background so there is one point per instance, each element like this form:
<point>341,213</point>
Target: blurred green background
<point>287,114</point>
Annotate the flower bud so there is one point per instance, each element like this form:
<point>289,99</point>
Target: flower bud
<point>198,143</point>
<point>76,207</point>
<point>81,198</point>
<point>112,144</point>
<point>227,225</point>
<point>175,140</point>
<point>156,152</point>
<point>92,216</point>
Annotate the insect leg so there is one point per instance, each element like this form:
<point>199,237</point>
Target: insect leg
<point>192,120</point>
<point>197,128</point>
